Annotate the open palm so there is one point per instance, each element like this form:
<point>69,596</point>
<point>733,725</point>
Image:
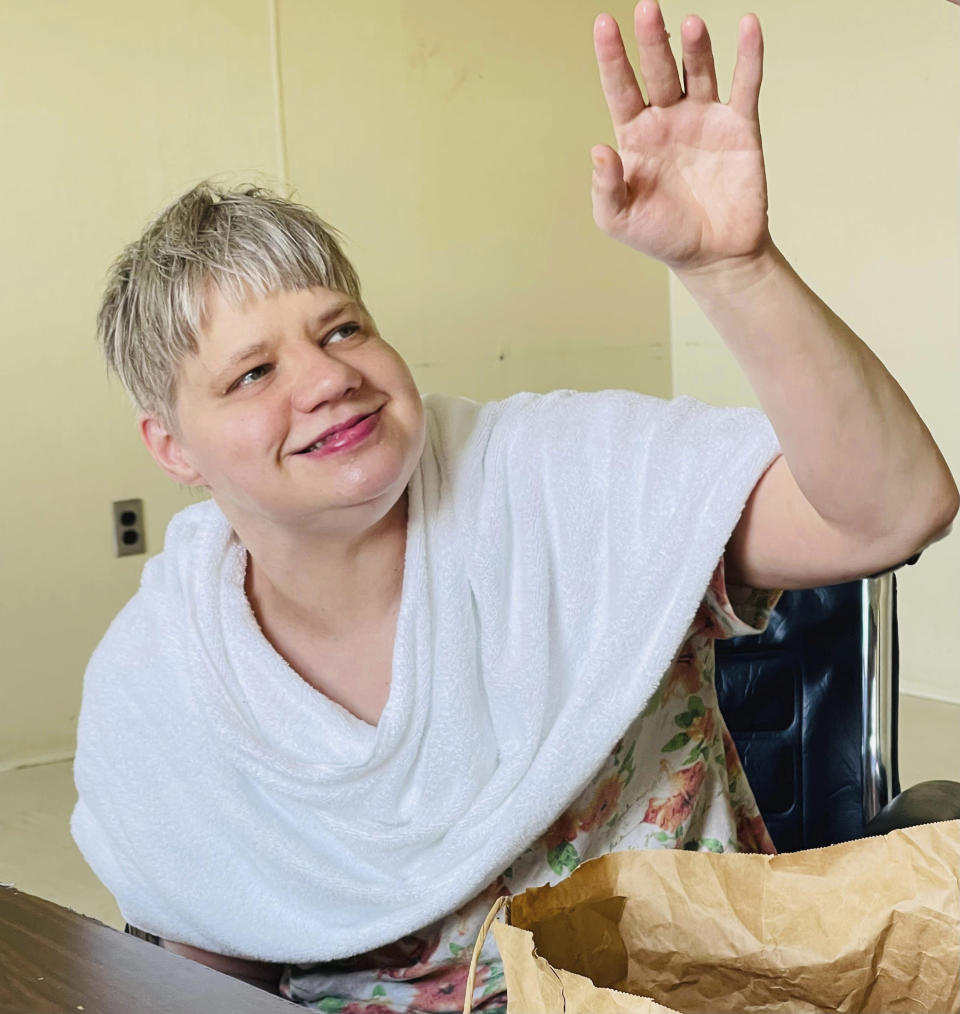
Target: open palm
<point>687,185</point>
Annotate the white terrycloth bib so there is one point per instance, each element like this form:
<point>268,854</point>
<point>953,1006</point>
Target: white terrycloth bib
<point>557,549</point>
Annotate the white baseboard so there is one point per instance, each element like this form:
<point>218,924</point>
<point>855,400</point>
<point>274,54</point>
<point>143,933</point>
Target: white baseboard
<point>16,764</point>
<point>928,694</point>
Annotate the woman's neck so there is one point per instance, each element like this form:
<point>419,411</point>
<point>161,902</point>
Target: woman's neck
<point>327,584</point>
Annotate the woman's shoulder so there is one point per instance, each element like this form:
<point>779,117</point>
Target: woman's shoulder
<point>570,409</point>
<point>194,538</point>
<point>457,423</point>
<point>144,625</point>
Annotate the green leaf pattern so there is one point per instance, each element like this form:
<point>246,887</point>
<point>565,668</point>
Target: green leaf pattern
<point>563,857</point>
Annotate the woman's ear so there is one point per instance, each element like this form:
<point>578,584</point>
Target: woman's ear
<point>168,452</point>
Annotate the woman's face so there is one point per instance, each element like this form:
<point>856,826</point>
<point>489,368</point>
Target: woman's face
<point>294,412</point>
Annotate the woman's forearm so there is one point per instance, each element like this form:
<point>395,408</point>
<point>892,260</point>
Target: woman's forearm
<point>857,449</point>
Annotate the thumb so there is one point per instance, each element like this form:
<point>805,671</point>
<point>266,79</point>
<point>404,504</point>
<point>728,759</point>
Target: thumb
<point>609,187</point>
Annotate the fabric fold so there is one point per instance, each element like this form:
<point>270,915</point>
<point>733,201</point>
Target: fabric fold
<point>228,805</point>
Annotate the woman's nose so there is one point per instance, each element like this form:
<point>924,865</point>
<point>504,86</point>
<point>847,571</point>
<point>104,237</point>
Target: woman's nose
<point>321,377</point>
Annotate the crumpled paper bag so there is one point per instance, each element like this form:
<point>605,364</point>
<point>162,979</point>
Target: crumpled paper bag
<point>866,926</point>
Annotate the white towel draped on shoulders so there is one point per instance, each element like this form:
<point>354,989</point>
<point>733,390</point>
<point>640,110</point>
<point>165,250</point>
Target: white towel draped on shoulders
<point>557,549</point>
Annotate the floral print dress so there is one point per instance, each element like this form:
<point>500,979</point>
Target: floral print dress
<point>674,780</point>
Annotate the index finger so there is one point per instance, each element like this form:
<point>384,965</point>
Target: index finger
<point>619,83</point>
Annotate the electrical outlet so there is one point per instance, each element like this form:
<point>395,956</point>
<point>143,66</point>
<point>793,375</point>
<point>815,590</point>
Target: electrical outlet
<point>128,527</point>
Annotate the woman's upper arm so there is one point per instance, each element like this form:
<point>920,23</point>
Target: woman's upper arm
<point>781,542</point>
<point>262,974</point>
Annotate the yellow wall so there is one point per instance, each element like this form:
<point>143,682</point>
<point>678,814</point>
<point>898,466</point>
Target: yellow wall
<point>109,109</point>
<point>450,143</point>
<point>452,153</point>
<point>859,110</point>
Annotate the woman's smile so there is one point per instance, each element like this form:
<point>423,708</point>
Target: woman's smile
<point>343,437</point>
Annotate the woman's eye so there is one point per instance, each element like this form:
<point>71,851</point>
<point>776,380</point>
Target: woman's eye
<point>250,377</point>
<point>342,333</point>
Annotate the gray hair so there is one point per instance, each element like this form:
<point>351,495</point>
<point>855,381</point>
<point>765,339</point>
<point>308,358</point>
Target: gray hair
<point>245,241</point>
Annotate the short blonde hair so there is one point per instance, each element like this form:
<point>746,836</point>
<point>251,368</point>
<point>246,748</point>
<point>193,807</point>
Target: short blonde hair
<point>244,241</point>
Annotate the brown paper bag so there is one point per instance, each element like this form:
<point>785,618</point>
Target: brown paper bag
<point>867,926</point>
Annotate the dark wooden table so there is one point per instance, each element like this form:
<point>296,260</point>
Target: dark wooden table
<point>53,961</point>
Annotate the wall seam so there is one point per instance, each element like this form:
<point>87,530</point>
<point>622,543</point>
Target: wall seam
<point>279,119</point>
<point>672,338</point>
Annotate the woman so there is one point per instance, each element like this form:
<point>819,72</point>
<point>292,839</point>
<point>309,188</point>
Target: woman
<point>414,654</point>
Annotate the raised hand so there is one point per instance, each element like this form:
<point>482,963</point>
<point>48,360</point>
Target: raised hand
<point>688,185</point>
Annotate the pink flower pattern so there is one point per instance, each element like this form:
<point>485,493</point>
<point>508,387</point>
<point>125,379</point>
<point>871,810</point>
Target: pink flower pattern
<point>671,811</point>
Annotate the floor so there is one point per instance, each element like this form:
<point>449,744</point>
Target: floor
<point>37,853</point>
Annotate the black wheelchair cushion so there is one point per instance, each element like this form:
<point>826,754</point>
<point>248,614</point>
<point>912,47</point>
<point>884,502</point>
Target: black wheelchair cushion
<point>792,698</point>
<point>924,803</point>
